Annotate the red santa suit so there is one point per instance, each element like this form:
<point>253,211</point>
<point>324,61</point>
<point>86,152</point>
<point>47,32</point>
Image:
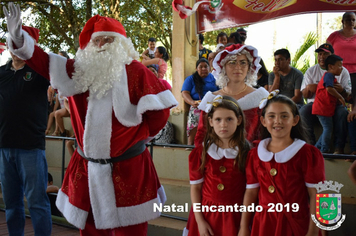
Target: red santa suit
<point>137,107</point>
<point>283,177</point>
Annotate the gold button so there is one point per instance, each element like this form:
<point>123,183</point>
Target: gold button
<point>271,189</point>
<point>221,187</point>
<point>222,169</point>
<point>273,171</point>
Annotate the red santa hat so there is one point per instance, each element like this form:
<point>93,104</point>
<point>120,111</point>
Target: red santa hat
<point>234,49</point>
<point>2,47</point>
<point>33,32</point>
<point>100,25</point>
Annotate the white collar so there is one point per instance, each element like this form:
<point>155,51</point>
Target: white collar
<point>282,156</point>
<point>218,153</point>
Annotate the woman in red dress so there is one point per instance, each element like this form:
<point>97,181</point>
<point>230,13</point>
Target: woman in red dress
<point>237,83</point>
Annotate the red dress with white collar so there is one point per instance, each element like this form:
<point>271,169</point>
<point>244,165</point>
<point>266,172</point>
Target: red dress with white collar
<point>249,105</point>
<point>222,185</point>
<point>297,167</point>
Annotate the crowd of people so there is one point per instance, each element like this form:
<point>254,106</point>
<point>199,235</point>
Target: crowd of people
<point>247,126</point>
<point>224,160</point>
<point>301,88</point>
<point>285,157</point>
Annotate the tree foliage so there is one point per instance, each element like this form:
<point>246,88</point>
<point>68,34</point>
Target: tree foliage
<point>310,39</point>
<point>210,37</point>
<point>60,22</point>
<point>335,23</point>
<point>142,20</point>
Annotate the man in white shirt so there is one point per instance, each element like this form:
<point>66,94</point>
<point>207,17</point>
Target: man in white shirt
<point>311,79</point>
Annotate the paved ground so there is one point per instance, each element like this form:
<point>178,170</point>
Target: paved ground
<point>56,229</point>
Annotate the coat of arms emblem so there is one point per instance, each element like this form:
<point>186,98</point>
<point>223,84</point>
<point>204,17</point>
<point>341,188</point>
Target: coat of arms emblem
<point>328,206</point>
<point>28,76</point>
<point>215,6</point>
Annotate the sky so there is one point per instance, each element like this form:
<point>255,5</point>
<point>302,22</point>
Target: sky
<point>288,31</point>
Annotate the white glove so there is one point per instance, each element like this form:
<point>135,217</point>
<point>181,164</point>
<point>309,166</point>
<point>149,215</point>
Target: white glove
<point>14,23</point>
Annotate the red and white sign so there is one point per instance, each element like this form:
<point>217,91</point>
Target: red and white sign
<point>220,14</point>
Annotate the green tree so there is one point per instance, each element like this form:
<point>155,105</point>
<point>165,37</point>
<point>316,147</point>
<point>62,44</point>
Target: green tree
<point>61,21</point>
<point>210,37</point>
<point>142,20</point>
<point>334,24</point>
<point>310,39</point>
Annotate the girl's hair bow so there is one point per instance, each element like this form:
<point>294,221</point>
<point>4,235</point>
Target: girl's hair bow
<point>264,101</point>
<point>213,103</point>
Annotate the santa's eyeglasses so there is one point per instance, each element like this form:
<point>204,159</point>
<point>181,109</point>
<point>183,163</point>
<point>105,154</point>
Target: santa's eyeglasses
<point>101,40</point>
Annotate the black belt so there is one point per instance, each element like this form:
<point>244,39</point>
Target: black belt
<point>133,151</point>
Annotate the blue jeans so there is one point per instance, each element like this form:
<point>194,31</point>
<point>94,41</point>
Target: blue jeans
<point>25,172</point>
<point>325,138</point>
<point>339,120</point>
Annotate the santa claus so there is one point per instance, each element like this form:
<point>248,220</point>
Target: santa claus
<point>116,104</point>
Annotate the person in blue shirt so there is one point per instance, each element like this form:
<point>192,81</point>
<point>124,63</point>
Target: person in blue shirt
<point>194,88</point>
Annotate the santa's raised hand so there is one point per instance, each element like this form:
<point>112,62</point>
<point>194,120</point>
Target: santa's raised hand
<point>14,23</point>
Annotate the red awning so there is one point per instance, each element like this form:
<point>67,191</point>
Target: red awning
<point>221,14</point>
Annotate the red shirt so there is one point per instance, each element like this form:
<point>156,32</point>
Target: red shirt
<point>324,103</point>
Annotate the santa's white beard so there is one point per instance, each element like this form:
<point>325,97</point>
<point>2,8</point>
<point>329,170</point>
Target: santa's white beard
<point>96,69</point>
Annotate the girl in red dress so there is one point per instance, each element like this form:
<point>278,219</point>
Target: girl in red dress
<point>216,170</point>
<point>281,171</point>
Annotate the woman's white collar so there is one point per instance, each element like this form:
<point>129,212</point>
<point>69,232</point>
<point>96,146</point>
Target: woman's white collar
<point>282,156</point>
<point>218,153</point>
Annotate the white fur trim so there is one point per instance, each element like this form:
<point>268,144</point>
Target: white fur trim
<point>73,214</point>
<point>139,213</point>
<point>59,76</point>
<point>131,115</point>
<point>102,195</point>
<point>252,100</point>
<point>126,215</point>
<point>161,194</point>
<point>106,33</point>
<point>256,185</point>
<point>101,187</point>
<point>98,123</point>
<point>27,49</point>
<point>199,181</point>
<point>257,65</point>
<point>309,185</point>
<point>147,140</point>
<point>185,231</point>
